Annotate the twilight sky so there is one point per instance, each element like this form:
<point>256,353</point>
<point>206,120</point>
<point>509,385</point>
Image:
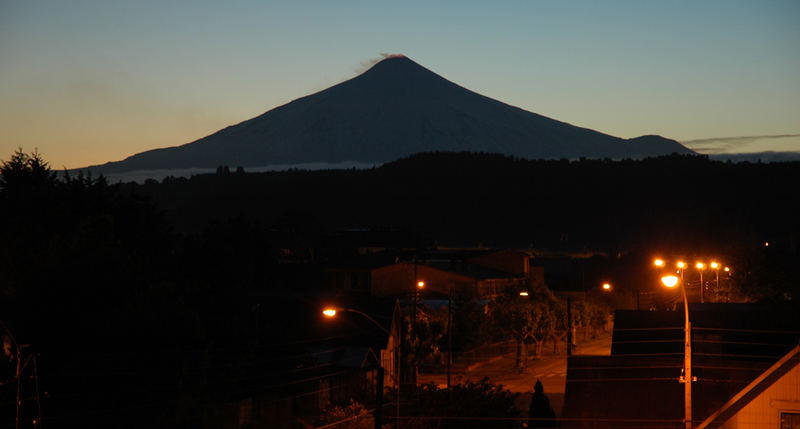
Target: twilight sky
<point>87,82</point>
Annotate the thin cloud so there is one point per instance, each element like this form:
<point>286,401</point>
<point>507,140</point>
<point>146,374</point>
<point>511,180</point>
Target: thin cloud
<point>366,65</point>
<point>727,144</point>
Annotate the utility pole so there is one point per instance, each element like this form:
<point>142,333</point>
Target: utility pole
<point>687,381</point>
<point>414,310</point>
<point>399,356</point>
<point>19,383</point>
<point>449,333</point>
<point>18,350</point>
<point>569,326</point>
<point>379,397</point>
<point>687,361</point>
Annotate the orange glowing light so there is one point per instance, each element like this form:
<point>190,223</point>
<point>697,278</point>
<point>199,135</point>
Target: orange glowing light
<point>700,266</point>
<point>329,312</point>
<point>607,286</point>
<point>669,281</point>
<point>681,264</point>
<point>715,265</point>
<point>523,293</point>
<point>659,262</point>
<point>420,285</point>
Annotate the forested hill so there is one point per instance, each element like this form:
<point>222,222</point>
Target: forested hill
<point>463,198</point>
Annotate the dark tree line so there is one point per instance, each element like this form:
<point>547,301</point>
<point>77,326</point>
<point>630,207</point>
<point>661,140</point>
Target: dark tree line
<point>669,202</point>
<point>127,319</point>
<point>629,210</point>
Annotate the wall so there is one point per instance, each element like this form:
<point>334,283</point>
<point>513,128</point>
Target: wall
<point>764,411</point>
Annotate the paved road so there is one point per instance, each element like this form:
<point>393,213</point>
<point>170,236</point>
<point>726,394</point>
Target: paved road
<point>549,368</point>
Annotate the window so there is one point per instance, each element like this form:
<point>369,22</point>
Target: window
<point>790,420</point>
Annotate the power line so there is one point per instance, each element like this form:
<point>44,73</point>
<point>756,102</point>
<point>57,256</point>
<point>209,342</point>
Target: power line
<point>757,331</point>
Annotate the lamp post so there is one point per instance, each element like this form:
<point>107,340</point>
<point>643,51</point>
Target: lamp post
<point>728,285</point>
<point>701,267</point>
<point>681,267</point>
<point>419,285</point>
<point>716,266</point>
<point>331,312</point>
<point>686,379</point>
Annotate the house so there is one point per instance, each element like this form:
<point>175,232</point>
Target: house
<point>771,400</point>
<point>743,356</point>
<point>510,261</point>
<point>440,277</point>
<point>305,361</point>
<point>643,391</point>
<point>486,273</point>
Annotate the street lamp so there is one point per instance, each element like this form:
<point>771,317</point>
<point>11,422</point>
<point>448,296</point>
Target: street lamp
<point>669,281</point>
<point>681,267</point>
<point>716,266</point>
<point>701,266</point>
<point>606,286</point>
<point>419,286</point>
<point>330,312</point>
<point>686,379</point>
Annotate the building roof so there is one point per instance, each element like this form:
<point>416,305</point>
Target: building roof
<point>732,346</point>
<point>739,331</point>
<point>346,357</point>
<point>473,271</point>
<point>752,390</point>
<point>636,391</point>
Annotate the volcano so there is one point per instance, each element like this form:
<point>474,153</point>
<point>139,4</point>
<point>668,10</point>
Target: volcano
<point>394,109</point>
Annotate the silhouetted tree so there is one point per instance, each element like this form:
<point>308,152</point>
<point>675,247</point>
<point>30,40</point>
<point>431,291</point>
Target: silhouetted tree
<point>422,338</point>
<point>517,318</point>
<point>469,320</point>
<point>540,408</point>
<point>25,173</point>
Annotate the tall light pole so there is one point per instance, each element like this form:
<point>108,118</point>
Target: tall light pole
<point>686,379</point>
<point>681,267</point>
<point>728,286</point>
<point>701,266</point>
<point>331,312</point>
<point>418,285</point>
<point>716,266</point>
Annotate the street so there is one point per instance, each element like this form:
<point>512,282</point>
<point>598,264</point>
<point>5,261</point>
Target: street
<point>550,368</point>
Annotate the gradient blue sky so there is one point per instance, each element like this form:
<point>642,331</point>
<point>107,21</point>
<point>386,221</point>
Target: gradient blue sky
<point>87,82</point>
